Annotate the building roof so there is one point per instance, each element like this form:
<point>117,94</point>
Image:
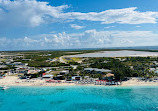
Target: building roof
<point>98,70</point>
<point>48,75</point>
<point>103,70</point>
<point>109,75</point>
<point>73,77</point>
<point>65,71</point>
<point>89,69</point>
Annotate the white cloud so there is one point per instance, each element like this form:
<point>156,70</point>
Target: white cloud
<point>28,12</point>
<point>109,27</point>
<point>86,39</point>
<point>75,26</point>
<point>33,13</point>
<point>122,16</point>
<point>138,26</point>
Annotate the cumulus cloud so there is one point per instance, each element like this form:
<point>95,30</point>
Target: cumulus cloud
<point>28,12</point>
<point>33,13</point>
<point>86,39</point>
<point>75,26</point>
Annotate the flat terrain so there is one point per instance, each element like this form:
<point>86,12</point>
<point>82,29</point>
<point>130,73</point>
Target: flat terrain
<point>14,81</point>
<point>121,53</point>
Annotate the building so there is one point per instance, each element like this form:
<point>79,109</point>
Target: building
<point>96,70</point>
<point>47,76</point>
<point>59,77</point>
<point>64,72</point>
<point>109,76</point>
<point>76,78</point>
<point>31,76</point>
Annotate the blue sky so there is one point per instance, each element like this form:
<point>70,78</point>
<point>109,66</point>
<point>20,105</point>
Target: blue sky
<point>64,24</point>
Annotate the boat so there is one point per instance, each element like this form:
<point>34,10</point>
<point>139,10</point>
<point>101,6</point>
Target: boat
<point>4,87</point>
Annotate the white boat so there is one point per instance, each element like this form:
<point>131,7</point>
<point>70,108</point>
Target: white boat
<point>4,87</point>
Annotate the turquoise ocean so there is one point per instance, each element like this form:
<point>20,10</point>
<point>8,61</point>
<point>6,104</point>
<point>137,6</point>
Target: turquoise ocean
<point>79,98</point>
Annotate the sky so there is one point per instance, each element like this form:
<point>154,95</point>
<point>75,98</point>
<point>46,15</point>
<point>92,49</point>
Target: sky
<point>71,24</point>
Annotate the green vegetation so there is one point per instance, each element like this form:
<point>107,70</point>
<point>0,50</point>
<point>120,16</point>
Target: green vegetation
<point>125,67</point>
<point>121,67</point>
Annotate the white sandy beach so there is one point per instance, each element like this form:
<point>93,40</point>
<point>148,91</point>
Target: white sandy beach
<point>136,82</point>
<point>14,81</point>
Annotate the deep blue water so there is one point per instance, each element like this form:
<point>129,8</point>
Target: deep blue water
<point>79,98</point>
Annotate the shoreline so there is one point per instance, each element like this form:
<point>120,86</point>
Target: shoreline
<point>85,86</point>
<point>14,81</point>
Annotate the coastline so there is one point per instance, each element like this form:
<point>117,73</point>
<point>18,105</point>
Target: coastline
<point>14,81</point>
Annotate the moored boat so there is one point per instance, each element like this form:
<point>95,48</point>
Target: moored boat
<point>4,87</point>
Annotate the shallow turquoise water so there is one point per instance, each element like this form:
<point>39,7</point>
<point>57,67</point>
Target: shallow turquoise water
<point>79,98</point>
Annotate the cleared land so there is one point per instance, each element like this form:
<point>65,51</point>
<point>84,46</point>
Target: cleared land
<point>121,53</point>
